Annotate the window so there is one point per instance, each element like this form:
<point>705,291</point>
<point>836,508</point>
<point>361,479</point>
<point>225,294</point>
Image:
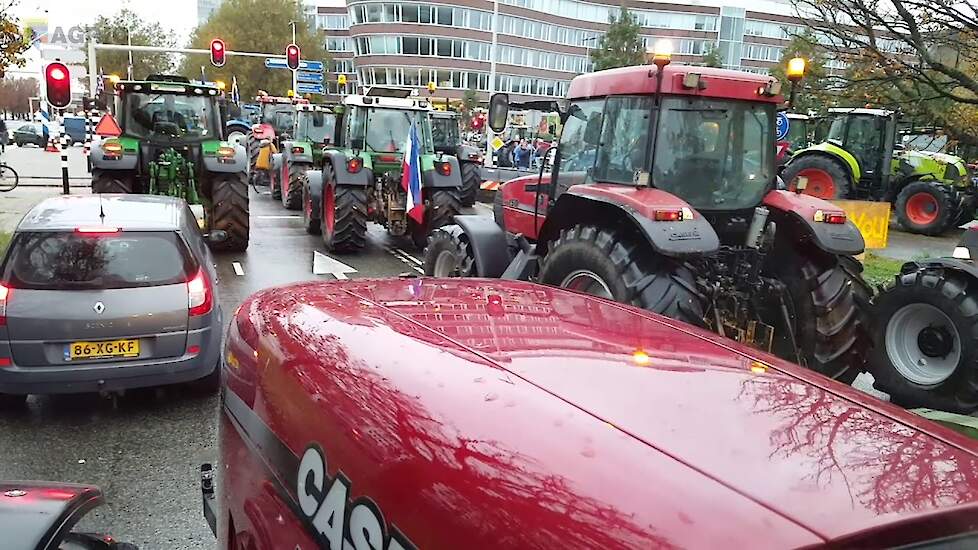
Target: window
<point>410,45</point>
<point>409,13</point>
<point>624,139</point>
<point>333,22</point>
<point>343,66</point>
<point>579,142</point>
<point>338,45</point>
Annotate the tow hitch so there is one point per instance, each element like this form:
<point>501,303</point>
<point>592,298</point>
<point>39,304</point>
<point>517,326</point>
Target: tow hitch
<point>207,495</point>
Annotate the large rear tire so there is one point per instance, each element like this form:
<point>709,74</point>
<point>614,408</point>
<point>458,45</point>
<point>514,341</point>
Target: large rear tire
<point>229,210</point>
<point>471,181</point>
<point>827,179</point>
<point>440,209</point>
<point>498,212</point>
<point>830,308</point>
<point>928,341</point>
<point>111,181</point>
<point>925,208</point>
<point>310,209</point>
<point>275,179</point>
<point>448,254</point>
<point>606,263</point>
<point>251,143</point>
<point>344,215</point>
<point>292,196</point>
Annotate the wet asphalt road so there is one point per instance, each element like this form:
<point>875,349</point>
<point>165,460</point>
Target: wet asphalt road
<point>144,449</point>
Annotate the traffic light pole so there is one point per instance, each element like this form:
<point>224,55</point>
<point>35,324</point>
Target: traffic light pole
<point>294,71</point>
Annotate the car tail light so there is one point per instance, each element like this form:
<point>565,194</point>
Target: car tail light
<point>193,350</point>
<point>672,215</point>
<point>200,297</point>
<point>297,150</point>
<point>444,168</point>
<point>97,230</point>
<point>5,362</point>
<point>354,165</point>
<point>5,292</point>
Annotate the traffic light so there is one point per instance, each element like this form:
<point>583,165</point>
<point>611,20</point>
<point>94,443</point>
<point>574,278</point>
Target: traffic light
<point>57,80</point>
<point>292,56</point>
<point>217,52</point>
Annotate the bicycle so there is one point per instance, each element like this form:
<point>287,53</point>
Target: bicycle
<point>8,178</point>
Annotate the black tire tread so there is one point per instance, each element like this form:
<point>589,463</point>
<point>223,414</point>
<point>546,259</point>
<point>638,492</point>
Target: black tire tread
<point>840,176</point>
<point>350,226</point>
<point>297,175</point>
<point>229,210</point>
<point>471,181</point>
<point>111,181</point>
<point>451,238</point>
<point>948,211</point>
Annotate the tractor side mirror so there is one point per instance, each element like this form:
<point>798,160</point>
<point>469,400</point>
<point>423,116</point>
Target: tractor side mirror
<point>216,236</point>
<point>498,111</point>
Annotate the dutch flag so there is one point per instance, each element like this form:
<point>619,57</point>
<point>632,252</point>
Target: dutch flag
<point>411,175</point>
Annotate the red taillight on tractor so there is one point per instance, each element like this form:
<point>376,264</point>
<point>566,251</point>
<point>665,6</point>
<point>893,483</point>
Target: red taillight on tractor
<point>200,298</point>
<point>672,215</point>
<point>444,168</point>
<point>5,292</point>
<point>297,150</point>
<point>354,165</point>
<point>838,218</point>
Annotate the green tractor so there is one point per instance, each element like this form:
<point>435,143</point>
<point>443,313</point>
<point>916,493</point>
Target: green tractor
<point>302,150</point>
<point>862,159</point>
<point>172,143</point>
<point>361,174</point>
<point>448,140</point>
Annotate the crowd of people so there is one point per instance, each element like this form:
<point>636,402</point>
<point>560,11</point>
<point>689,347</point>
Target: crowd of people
<point>523,154</point>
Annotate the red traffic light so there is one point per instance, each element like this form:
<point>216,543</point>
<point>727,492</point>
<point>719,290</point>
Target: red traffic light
<point>57,82</point>
<point>292,56</point>
<point>217,52</point>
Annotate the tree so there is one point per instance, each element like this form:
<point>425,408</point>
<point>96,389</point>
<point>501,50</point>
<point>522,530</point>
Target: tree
<point>255,26</point>
<point>15,94</point>
<point>470,100</point>
<point>12,41</point>
<point>119,29</point>
<point>920,56</point>
<point>712,58</point>
<point>621,46</point>
<point>813,91</point>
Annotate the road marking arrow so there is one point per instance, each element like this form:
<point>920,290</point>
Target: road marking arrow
<point>327,265</point>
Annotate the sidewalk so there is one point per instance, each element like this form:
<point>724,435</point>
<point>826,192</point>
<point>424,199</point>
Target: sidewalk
<point>16,203</point>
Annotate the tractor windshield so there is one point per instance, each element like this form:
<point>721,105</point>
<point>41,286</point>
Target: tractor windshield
<point>387,129</point>
<point>171,116</point>
<point>444,132</point>
<point>715,154</point>
<point>316,126</point>
<point>280,115</point>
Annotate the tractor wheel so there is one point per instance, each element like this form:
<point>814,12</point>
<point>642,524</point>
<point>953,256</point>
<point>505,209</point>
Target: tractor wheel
<point>292,196</point>
<point>344,216</point>
<point>229,210</point>
<point>497,209</point>
<point>251,143</point>
<point>310,209</point>
<point>610,265</point>
<point>441,207</point>
<point>471,180</point>
<point>827,179</point>
<point>925,208</point>
<point>448,253</point>
<point>830,308</point>
<point>275,179</point>
<point>928,341</point>
<point>966,215</point>
<point>111,181</point>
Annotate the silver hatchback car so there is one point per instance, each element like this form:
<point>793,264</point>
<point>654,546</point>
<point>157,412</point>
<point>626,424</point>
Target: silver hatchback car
<point>106,293</point>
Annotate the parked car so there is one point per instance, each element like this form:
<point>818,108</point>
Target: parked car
<point>466,413</point>
<point>104,293</point>
<point>31,133</point>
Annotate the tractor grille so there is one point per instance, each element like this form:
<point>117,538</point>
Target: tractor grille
<point>151,151</point>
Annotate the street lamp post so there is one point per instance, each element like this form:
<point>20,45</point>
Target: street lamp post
<point>795,72</point>
<point>492,75</point>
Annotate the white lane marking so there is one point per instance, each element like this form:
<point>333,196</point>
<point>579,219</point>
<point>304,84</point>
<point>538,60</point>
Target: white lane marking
<point>238,270</point>
<point>409,257</point>
<point>405,258</point>
<point>281,217</point>
<point>340,276</point>
<point>323,264</point>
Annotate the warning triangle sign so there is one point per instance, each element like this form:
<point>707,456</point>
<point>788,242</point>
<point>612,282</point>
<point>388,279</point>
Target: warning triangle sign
<point>107,127</point>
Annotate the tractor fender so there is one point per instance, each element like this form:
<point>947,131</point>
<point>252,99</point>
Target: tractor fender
<point>467,153</point>
<point>314,181</point>
<point>263,131</point>
<point>795,214</point>
<point>609,205</point>
<point>239,126</point>
<point>289,150</point>
<point>843,157</point>
<point>434,179</point>
<point>238,164</point>
<point>964,267</point>
<point>128,161</point>
<point>489,244</point>
<point>363,178</point>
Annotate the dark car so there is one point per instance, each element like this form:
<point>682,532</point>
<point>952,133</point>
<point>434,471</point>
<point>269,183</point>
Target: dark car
<point>30,133</point>
<point>107,293</point>
<point>466,413</point>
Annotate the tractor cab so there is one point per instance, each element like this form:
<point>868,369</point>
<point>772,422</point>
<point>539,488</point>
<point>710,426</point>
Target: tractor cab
<point>378,124</point>
<point>168,111</point>
<point>315,124</point>
<point>870,136</point>
<point>799,126</point>
<point>445,134</point>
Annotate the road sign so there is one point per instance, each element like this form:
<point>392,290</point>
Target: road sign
<point>275,63</point>
<point>496,143</point>
<point>782,126</point>
<point>310,77</point>
<point>306,88</point>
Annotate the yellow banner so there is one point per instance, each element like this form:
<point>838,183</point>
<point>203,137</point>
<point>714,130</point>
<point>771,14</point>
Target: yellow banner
<point>872,219</point>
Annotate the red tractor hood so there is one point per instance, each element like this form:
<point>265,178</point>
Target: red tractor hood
<point>535,417</point>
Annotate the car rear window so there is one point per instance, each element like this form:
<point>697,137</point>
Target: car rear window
<point>72,260</point>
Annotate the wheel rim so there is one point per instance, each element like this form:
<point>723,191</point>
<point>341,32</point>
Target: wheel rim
<point>446,265</point>
<point>820,183</point>
<point>922,208</point>
<point>923,344</point>
<point>236,137</point>
<point>587,282</point>
<point>329,208</point>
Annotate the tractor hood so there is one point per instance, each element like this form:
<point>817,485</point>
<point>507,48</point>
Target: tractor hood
<point>661,433</point>
<point>941,166</point>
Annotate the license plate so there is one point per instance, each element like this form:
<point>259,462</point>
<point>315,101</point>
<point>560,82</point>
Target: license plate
<point>102,350</point>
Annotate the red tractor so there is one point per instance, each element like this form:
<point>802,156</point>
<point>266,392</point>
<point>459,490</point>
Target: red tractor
<point>277,117</point>
<point>663,193</point>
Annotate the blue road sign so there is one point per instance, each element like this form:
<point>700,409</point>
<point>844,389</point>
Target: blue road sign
<point>275,63</point>
<point>306,88</point>
<point>782,126</point>
<point>309,77</point>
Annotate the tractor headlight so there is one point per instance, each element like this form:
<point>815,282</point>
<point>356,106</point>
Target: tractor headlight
<point>225,153</point>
